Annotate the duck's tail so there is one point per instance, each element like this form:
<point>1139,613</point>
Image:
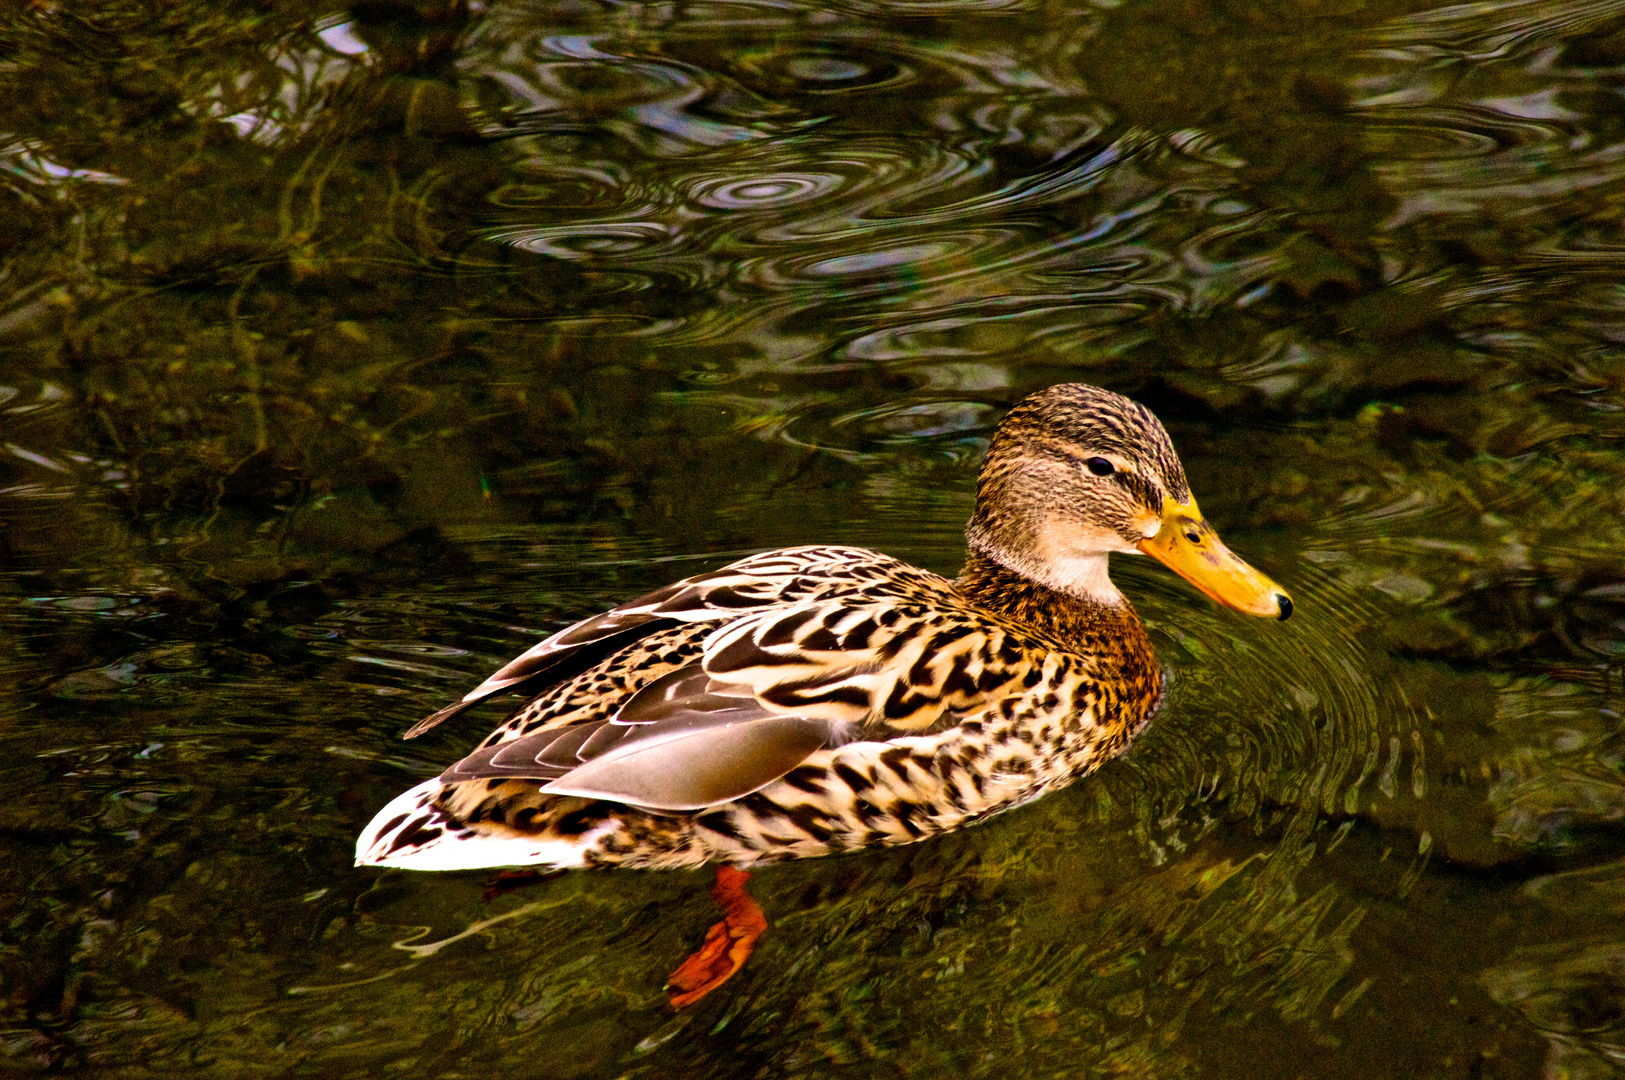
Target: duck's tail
<point>415,833</point>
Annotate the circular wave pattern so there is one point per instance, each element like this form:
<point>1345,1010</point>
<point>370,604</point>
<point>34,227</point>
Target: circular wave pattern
<point>769,191</point>
<point>923,420</point>
<point>603,240</point>
<point>825,69</point>
<point>847,67</point>
<point>914,261</point>
<point>853,187</point>
<point>1261,715</point>
<point>882,260</point>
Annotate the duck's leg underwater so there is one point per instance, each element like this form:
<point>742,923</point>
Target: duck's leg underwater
<point>728,944</point>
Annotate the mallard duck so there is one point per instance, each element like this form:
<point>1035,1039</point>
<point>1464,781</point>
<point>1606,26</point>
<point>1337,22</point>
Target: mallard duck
<point>822,699</point>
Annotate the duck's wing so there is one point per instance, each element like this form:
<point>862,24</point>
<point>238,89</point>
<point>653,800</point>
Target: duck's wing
<point>767,580</point>
<point>772,689</point>
<point>684,742</point>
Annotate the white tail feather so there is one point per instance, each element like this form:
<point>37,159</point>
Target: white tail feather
<point>413,834</point>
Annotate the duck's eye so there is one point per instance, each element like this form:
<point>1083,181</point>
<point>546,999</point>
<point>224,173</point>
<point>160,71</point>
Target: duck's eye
<point>1100,466</point>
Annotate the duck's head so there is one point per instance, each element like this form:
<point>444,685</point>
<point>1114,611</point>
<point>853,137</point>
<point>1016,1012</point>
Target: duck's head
<point>1076,472</point>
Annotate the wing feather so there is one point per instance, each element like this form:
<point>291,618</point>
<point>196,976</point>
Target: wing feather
<point>812,647</point>
<point>758,581</point>
<point>683,742</point>
<point>543,669</point>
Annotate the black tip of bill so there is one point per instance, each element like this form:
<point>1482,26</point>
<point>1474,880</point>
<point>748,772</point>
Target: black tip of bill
<point>1284,604</point>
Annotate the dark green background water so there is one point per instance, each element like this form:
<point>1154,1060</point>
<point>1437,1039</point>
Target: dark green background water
<point>344,351</point>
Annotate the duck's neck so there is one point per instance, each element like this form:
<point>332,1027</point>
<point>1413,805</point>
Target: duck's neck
<point>1111,633</point>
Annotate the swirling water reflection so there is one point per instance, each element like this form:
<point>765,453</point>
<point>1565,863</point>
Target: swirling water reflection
<point>354,353</point>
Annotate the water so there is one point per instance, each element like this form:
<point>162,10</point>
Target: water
<point>343,353</point>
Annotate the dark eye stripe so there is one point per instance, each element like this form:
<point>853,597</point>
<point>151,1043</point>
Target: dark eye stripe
<point>1139,486</point>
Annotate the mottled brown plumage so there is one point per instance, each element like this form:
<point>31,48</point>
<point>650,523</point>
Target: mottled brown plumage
<point>821,699</point>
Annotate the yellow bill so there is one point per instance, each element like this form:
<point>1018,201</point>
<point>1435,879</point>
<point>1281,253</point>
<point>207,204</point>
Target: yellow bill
<point>1188,546</point>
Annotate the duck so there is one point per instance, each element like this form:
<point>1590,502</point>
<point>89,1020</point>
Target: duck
<point>821,699</point>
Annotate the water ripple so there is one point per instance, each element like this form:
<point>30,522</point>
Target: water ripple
<point>816,217</point>
<point>1492,31</point>
<point>768,191</point>
<point>848,67</point>
<point>1515,133</point>
<point>598,240</point>
<point>1308,728</point>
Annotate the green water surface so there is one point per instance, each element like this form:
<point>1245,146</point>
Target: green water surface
<point>346,350</point>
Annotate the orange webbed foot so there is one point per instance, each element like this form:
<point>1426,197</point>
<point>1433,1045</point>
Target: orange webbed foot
<point>727,945</point>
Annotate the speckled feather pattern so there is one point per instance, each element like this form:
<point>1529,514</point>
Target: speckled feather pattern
<point>970,697</point>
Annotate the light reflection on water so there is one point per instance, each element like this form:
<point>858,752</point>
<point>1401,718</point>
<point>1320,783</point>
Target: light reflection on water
<point>539,310</point>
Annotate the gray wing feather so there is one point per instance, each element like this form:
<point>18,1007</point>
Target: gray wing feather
<point>696,768</point>
<point>684,742</point>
